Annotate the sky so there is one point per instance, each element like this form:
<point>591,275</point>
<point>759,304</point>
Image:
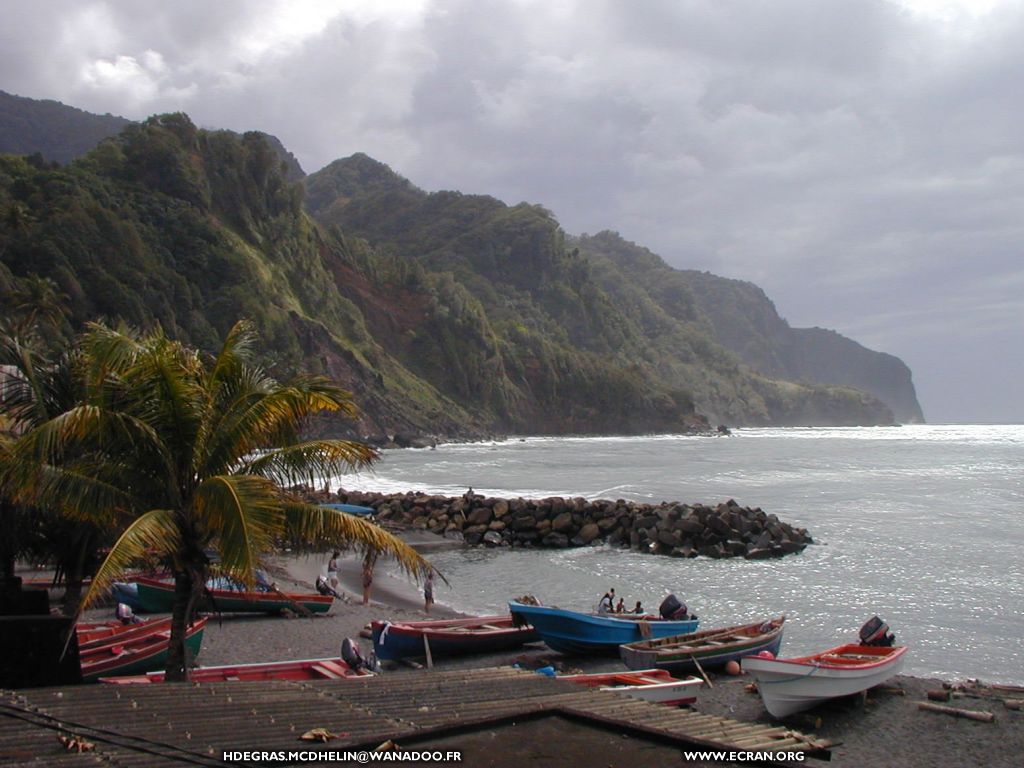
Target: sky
<point>860,160</point>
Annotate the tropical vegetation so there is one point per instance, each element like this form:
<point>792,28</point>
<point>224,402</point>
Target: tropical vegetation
<point>445,313</point>
<point>189,458</point>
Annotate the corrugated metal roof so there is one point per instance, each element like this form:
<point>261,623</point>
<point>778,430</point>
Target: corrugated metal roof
<point>196,723</point>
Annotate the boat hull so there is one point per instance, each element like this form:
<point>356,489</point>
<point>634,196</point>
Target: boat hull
<point>458,637</point>
<point>788,686</point>
<point>686,654</point>
<point>585,634</point>
<point>654,685</point>
<point>303,669</point>
<point>94,636</point>
<point>142,655</point>
<point>158,597</point>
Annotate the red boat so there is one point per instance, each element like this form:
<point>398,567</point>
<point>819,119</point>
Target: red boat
<point>449,637</point>
<point>654,685</point>
<point>95,634</point>
<point>137,655</point>
<point>305,669</point>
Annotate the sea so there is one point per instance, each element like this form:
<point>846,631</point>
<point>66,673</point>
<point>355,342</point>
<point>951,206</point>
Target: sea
<point>922,525</point>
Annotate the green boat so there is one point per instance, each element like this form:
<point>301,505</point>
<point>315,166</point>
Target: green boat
<point>157,596</point>
<point>138,656</point>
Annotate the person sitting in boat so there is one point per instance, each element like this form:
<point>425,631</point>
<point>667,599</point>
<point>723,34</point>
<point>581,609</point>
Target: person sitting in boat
<point>607,603</point>
<point>639,610</point>
<point>620,607</point>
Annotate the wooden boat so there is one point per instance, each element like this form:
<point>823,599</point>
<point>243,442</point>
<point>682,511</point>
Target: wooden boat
<point>588,633</point>
<point>352,509</point>
<point>449,637</point>
<point>157,596</point>
<point>139,655</point>
<point>303,669</point>
<point>654,685</point>
<point>792,685</point>
<point>106,633</point>
<point>710,648</point>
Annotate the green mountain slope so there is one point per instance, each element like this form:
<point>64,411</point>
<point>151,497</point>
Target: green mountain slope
<point>565,314</point>
<point>740,317</point>
<point>445,313</point>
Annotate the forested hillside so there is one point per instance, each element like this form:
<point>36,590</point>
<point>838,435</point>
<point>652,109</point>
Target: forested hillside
<point>445,313</point>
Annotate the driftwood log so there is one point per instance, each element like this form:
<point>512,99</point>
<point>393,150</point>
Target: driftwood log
<point>970,714</point>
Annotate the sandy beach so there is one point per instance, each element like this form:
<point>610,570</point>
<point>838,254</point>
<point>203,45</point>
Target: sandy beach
<point>887,729</point>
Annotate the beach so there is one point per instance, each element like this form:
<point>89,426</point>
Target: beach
<point>887,729</point>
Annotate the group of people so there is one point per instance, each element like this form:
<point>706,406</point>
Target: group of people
<point>608,604</point>
<point>369,561</point>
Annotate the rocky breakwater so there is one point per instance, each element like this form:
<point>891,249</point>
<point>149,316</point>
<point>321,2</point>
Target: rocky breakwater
<point>674,529</point>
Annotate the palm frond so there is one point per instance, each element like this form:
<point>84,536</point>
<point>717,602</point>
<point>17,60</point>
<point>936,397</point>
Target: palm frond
<point>155,530</point>
<point>244,516</point>
<point>325,527</point>
<point>319,458</point>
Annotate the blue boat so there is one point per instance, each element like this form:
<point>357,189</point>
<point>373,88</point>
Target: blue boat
<point>576,633</point>
<point>352,509</point>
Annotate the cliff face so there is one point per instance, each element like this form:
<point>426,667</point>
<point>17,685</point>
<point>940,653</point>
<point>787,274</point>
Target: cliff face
<point>740,317</point>
<point>826,357</point>
<point>447,313</point>
<point>745,321</point>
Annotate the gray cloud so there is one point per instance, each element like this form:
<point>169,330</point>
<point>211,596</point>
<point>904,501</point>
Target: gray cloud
<point>860,162</point>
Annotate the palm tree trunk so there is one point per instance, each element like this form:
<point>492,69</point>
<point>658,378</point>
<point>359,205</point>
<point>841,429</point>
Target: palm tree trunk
<point>188,585</point>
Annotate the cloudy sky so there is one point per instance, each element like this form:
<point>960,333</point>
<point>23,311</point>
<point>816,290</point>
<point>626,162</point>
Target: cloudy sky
<point>861,160</point>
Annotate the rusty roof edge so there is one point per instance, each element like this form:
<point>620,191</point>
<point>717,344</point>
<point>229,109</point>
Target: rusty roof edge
<point>42,719</point>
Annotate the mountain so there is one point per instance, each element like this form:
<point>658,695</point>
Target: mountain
<point>58,132</point>
<point>532,279</point>
<point>744,320</point>
<point>61,133</point>
<point>444,313</point>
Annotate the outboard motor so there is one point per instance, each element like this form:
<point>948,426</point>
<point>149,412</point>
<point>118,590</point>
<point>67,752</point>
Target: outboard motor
<point>125,614</point>
<point>323,587</point>
<point>876,632</point>
<point>351,655</point>
<point>672,608</point>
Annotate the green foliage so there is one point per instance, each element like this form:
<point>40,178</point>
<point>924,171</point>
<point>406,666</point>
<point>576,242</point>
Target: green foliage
<point>442,312</point>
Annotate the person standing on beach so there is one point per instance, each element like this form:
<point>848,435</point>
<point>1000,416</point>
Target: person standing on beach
<point>428,592</point>
<point>368,562</point>
<point>332,570</point>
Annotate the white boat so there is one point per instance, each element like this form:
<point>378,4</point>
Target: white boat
<point>792,685</point>
<point>654,685</point>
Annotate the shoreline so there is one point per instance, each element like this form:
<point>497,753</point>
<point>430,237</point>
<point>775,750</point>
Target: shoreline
<point>886,728</point>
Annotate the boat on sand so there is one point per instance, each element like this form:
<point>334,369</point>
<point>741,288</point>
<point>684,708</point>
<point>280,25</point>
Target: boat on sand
<point>654,685</point>
<point>708,649</point>
<point>301,669</point>
<point>448,637</point>
<point>572,632</point>
<point>157,596</point>
<point>792,685</point>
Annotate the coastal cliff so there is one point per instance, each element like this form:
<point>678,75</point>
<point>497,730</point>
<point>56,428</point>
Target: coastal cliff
<point>445,314</point>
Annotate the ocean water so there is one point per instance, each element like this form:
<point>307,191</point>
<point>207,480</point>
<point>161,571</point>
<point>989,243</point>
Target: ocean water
<point>922,525</point>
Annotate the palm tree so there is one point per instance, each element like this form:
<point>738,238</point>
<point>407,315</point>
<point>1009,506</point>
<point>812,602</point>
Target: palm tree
<point>192,455</point>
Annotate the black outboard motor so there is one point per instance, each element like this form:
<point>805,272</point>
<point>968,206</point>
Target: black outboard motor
<point>350,653</point>
<point>672,608</point>
<point>352,656</point>
<point>876,632</point>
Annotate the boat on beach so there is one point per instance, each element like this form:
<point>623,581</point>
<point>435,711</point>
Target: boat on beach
<point>137,655</point>
<point>571,632</point>
<point>654,685</point>
<point>157,596</point>
<point>792,685</point>
<point>448,637</point>
<point>96,634</point>
<point>352,509</point>
<point>301,669</point>
<point>708,649</point>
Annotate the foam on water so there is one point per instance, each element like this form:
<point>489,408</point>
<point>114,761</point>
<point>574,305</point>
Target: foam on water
<point>920,524</point>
